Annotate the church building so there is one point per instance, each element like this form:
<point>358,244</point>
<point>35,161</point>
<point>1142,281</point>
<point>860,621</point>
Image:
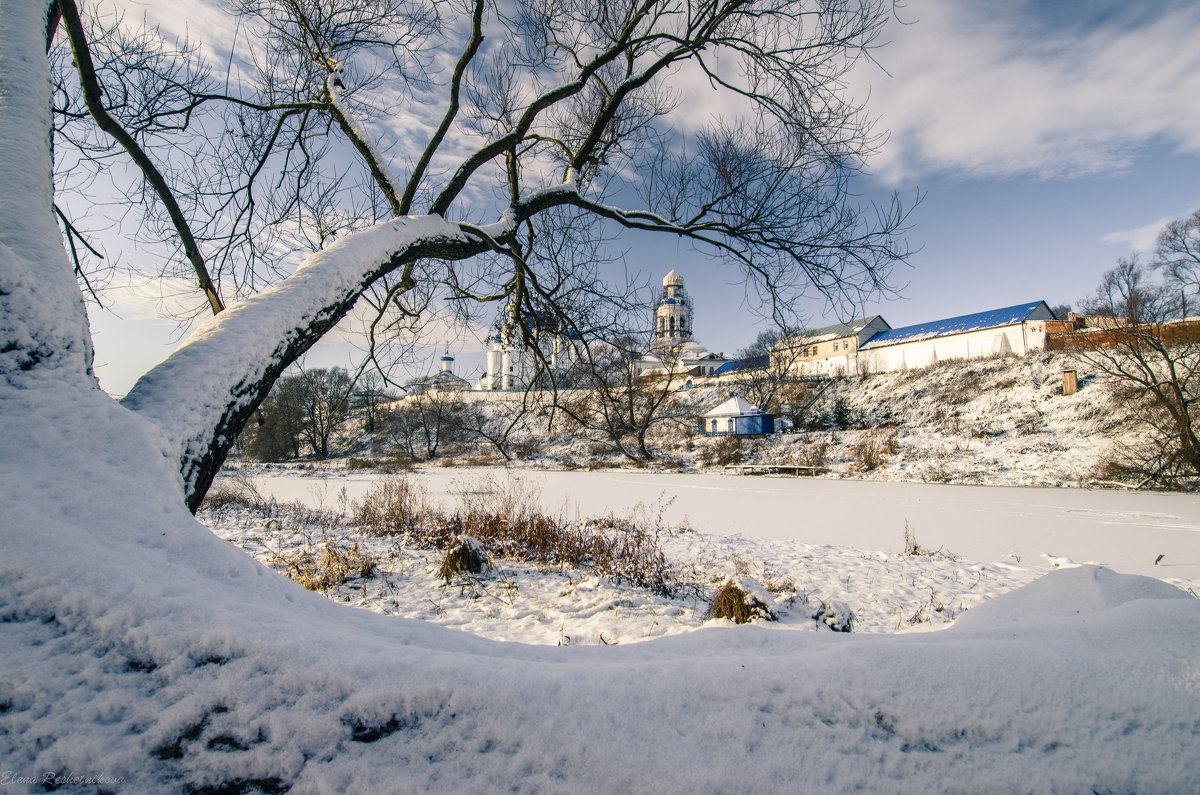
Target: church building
<point>673,349</point>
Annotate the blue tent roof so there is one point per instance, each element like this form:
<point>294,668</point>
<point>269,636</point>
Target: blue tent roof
<point>957,325</point>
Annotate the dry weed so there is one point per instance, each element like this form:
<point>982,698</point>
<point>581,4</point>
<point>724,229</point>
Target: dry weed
<point>394,506</point>
<point>873,448</point>
<point>731,601</point>
<point>330,568</point>
<point>466,556</point>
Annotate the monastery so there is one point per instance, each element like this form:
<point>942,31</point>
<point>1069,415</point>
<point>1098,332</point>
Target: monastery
<point>859,346</point>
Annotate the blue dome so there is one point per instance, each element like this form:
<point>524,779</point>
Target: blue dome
<point>447,358</point>
<point>669,301</point>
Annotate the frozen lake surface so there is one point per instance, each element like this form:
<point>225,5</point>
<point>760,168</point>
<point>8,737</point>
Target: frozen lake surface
<point>1124,530</point>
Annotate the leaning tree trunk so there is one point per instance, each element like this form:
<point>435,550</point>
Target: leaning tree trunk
<point>44,335</point>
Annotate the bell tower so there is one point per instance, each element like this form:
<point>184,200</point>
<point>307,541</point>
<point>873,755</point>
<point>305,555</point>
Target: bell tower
<point>673,316</point>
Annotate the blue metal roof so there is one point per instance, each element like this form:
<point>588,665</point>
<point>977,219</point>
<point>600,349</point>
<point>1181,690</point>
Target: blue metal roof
<point>956,325</point>
<point>753,363</point>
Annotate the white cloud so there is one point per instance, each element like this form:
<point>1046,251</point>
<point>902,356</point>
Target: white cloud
<point>155,297</point>
<point>1140,239</point>
<point>993,89</point>
<point>1144,237</point>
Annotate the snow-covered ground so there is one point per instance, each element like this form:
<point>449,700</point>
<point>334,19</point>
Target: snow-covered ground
<point>808,541</point>
<point>141,653</point>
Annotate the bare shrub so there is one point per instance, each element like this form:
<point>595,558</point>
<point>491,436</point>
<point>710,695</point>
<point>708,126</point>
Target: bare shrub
<point>330,568</point>
<point>466,555</point>
<point>813,452</point>
<point>396,505</point>
<point>729,451</point>
<point>873,448</point>
<point>389,464</point>
<point>911,547</point>
<point>240,493</point>
<point>737,600</point>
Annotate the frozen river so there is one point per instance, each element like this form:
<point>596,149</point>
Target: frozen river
<point>1041,527</point>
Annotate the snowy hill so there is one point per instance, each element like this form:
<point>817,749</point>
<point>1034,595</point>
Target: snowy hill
<point>999,421</point>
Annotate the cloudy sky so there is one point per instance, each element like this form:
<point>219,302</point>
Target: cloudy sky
<point>1046,139</point>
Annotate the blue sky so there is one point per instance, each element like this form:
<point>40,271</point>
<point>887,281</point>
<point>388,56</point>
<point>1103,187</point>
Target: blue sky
<point>1047,139</point>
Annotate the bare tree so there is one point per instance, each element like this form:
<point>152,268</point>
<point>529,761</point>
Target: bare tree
<point>325,405</point>
<point>616,405</point>
<point>1178,250</point>
<point>422,424</point>
<point>559,107</point>
<point>369,396</point>
<point>275,433</point>
<point>1154,361</point>
<point>496,422</point>
<point>765,374</point>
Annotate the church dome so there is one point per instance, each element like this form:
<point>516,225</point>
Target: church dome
<point>672,279</point>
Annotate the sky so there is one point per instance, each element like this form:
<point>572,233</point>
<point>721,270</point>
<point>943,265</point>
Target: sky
<point>1045,139</point>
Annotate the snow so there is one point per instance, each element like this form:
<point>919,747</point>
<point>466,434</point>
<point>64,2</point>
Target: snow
<point>1033,527</point>
<point>734,407</point>
<point>189,393</point>
<point>141,653</point>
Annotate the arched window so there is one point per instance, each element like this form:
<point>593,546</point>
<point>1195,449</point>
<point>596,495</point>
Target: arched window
<point>672,322</point>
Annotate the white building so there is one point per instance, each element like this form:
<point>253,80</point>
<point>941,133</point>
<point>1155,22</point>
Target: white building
<point>673,349</point>
<point>1015,330</point>
<point>831,350</point>
<point>445,380</point>
<point>511,361</point>
<point>673,315</point>
<point>737,416</point>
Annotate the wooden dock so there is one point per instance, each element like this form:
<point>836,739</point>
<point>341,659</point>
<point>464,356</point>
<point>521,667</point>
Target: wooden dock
<point>795,470</point>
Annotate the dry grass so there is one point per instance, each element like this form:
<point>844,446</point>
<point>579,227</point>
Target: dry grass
<point>394,506</point>
<point>330,568</point>
<point>873,448</point>
<point>911,547</point>
<point>466,556</point>
<point>239,493</point>
<point>389,464</point>
<point>507,520</point>
<point>731,602</point>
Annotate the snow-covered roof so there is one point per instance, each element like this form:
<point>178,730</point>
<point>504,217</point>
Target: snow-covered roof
<point>752,363</point>
<point>672,279</point>
<point>962,324</point>
<point>837,330</point>
<point>735,407</point>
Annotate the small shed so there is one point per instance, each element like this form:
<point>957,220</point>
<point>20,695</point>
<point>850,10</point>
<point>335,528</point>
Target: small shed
<point>739,417</point>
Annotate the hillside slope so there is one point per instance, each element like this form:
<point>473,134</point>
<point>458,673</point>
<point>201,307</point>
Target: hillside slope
<point>1001,421</point>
